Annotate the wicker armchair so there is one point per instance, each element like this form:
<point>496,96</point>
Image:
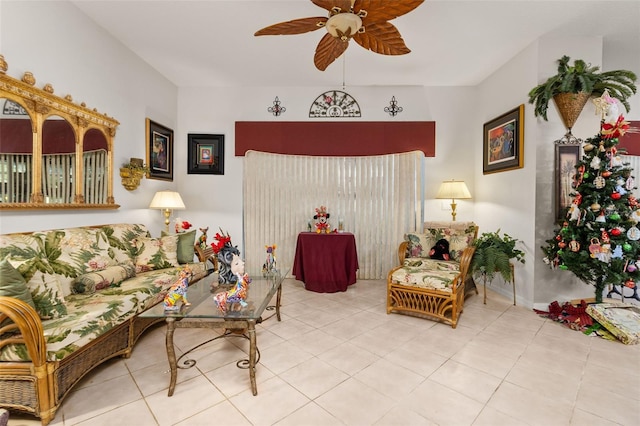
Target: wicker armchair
<point>428,287</point>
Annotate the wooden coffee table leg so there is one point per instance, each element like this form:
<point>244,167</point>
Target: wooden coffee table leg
<point>278,298</point>
<point>171,354</point>
<point>251,331</point>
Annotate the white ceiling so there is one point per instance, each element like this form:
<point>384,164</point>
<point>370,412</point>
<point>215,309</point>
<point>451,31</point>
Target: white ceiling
<point>453,43</point>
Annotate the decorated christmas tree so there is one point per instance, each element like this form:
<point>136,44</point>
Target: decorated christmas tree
<point>598,241</point>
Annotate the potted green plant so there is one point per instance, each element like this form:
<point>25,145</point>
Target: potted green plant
<point>493,256</point>
<point>574,84</point>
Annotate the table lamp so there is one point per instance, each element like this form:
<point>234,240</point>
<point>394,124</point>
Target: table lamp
<point>167,201</point>
<point>453,189</point>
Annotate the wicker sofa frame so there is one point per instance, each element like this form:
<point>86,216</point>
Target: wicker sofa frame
<point>436,304</point>
<point>40,386</point>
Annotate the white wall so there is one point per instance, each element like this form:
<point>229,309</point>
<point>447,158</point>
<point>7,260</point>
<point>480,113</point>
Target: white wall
<point>81,59</point>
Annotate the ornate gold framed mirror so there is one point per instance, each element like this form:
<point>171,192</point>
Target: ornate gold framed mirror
<point>54,154</point>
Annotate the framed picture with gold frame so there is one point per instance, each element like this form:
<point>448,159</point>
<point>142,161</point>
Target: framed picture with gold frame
<point>567,158</point>
<point>503,142</point>
<point>159,151</point>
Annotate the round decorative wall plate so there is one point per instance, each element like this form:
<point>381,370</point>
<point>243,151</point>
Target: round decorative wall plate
<point>334,104</point>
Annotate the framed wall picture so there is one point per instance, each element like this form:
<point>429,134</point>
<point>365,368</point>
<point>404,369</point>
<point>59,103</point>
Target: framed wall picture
<point>159,151</point>
<point>567,157</point>
<point>206,154</point>
<point>503,142</point>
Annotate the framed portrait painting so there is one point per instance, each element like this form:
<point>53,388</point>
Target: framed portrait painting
<point>159,151</point>
<point>503,142</point>
<point>567,158</point>
<point>205,154</point>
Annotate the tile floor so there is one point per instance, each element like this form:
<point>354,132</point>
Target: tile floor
<point>339,359</point>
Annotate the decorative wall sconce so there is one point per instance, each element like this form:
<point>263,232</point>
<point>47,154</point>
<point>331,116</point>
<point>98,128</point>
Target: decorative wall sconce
<point>132,172</point>
<point>276,109</point>
<point>393,109</point>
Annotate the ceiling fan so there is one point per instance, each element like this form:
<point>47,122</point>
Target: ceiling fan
<point>365,21</point>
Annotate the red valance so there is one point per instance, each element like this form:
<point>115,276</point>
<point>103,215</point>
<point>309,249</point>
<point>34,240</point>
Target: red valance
<point>331,138</point>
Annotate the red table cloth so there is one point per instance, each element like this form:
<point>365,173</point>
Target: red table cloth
<point>326,263</point>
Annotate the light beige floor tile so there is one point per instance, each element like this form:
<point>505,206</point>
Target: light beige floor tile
<point>156,377</point>
<point>110,369</point>
<point>581,418</point>
<point>314,377</point>
<point>276,400</point>
<point>91,401</point>
<point>390,379</point>
<point>607,405</point>
<point>218,354</point>
<point>189,398</point>
<point>349,358</point>
<point>442,405</point>
<point>622,380</point>
<point>280,358</point>
<point>531,407</point>
<point>355,403</point>
<point>232,380</point>
<point>316,342</point>
<point>401,416</point>
<point>135,413</point>
<point>422,363</point>
<point>290,328</point>
<point>310,415</point>
<point>492,417</point>
<point>468,381</point>
<point>538,378</point>
<point>222,413</point>
<point>482,358</point>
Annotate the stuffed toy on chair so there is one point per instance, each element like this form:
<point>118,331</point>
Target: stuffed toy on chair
<point>440,251</point>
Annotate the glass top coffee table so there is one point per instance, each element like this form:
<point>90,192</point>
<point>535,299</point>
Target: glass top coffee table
<point>237,321</point>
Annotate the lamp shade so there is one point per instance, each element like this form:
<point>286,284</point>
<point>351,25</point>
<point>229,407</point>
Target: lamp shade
<point>167,200</point>
<point>454,190</point>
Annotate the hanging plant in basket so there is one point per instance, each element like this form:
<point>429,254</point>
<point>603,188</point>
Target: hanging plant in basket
<point>573,85</point>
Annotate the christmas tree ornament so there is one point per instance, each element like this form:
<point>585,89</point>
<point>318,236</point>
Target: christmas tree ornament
<point>595,163</point>
<point>617,253</point>
<point>599,182</point>
<point>601,218</point>
<point>616,232</point>
<point>594,247</point>
<point>606,173</point>
<point>616,195</point>
<point>633,234</point>
<point>629,283</point>
<point>630,183</point>
<point>562,244</point>
<point>588,147</point>
<point>604,235</point>
<point>563,267</point>
<point>635,216</point>
<point>626,247</point>
<point>586,175</point>
<point>614,216</point>
<point>574,246</point>
<point>631,267</point>
<point>595,207</point>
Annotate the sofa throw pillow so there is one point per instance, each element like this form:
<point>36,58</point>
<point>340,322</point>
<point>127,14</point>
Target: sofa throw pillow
<point>156,253</point>
<point>12,284</point>
<point>112,276</point>
<point>47,295</point>
<point>186,241</point>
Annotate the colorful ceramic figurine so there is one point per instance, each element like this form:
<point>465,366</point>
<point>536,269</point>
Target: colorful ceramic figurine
<point>270,263</point>
<point>178,291</point>
<point>238,293</point>
<point>202,239</point>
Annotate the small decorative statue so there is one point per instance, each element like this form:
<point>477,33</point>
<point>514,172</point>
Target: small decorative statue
<point>178,291</point>
<point>238,293</point>
<point>321,217</point>
<point>270,263</point>
<point>225,251</point>
<point>202,239</point>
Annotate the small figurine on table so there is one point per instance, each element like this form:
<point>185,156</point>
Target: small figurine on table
<point>270,263</point>
<point>178,291</point>
<point>231,270</point>
<point>202,239</point>
<point>321,218</point>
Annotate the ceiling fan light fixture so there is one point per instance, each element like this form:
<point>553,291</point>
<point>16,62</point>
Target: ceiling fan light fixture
<point>344,24</point>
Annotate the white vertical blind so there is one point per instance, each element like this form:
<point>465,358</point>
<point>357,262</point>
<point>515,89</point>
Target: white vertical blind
<point>634,163</point>
<point>378,198</point>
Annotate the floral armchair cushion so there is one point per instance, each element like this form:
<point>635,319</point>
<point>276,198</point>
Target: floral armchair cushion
<point>459,237</point>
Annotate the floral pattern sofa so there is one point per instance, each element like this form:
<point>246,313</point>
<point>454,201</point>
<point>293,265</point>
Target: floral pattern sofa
<point>70,299</point>
<point>431,287</point>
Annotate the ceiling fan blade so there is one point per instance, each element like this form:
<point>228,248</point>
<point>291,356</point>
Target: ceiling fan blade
<point>384,10</point>
<point>297,26</point>
<point>344,5</point>
<point>328,50</point>
<point>382,38</point>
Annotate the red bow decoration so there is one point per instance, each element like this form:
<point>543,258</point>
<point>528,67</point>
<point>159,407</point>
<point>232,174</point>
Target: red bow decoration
<point>610,131</point>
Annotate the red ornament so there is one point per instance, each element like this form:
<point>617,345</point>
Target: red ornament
<point>629,283</point>
<point>562,244</point>
<point>616,196</point>
<point>616,232</point>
